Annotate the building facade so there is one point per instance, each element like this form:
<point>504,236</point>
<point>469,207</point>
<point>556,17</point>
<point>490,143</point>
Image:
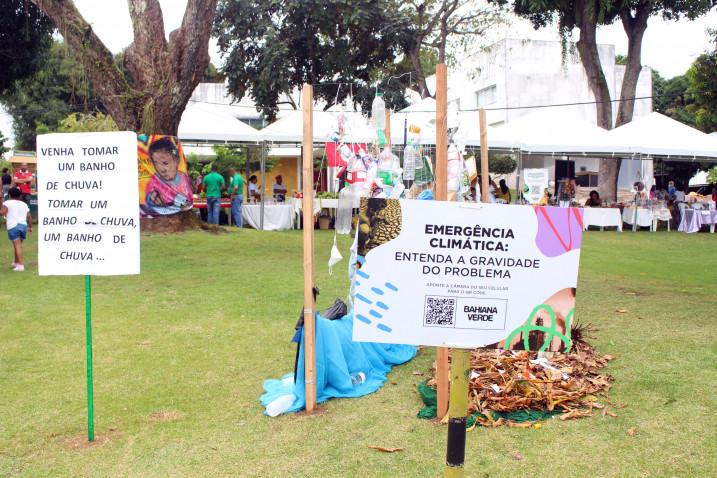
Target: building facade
<point>513,76</point>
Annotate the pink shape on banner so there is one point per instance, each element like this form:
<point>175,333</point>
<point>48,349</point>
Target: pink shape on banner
<point>560,230</point>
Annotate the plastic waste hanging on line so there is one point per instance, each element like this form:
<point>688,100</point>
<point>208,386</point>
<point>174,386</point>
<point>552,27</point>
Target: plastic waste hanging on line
<point>412,153</point>
<point>345,209</point>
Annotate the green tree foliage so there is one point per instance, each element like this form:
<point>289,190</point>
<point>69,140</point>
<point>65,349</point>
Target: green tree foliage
<point>212,75</point>
<point>702,77</point>
<point>501,163</point>
<point>3,148</point>
<point>446,30</point>
<point>271,48</point>
<point>227,157</point>
<point>81,122</point>
<point>25,34</point>
<point>39,103</point>
<point>671,98</point>
<point>712,175</point>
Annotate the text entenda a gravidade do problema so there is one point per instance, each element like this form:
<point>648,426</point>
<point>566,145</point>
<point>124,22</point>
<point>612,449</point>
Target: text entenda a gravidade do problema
<point>468,238</point>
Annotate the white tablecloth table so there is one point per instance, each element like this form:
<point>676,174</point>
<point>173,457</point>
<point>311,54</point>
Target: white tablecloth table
<point>319,204</point>
<point>602,217</point>
<point>277,217</point>
<point>693,219</point>
<point>644,216</point>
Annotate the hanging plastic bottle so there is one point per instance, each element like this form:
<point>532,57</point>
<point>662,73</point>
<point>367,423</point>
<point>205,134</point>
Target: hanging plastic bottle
<point>386,167</point>
<point>378,111</point>
<point>345,210</point>
<point>411,154</point>
<point>454,169</point>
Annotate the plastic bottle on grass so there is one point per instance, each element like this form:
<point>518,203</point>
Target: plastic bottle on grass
<point>358,378</point>
<point>280,405</point>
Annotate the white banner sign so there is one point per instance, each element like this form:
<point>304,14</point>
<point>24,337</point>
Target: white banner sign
<point>88,210</point>
<point>466,274</point>
<point>535,181</point>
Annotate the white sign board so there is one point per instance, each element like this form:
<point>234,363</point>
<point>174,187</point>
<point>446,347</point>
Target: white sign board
<point>88,207</point>
<point>466,274</point>
<point>534,183</point>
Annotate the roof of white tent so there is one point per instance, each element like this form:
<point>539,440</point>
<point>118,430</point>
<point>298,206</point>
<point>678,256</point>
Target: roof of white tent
<point>545,131</point>
<point>425,105</point>
<point>421,114</point>
<point>204,123</point>
<point>657,135</point>
<point>289,128</point>
<point>468,133</point>
<point>404,120</point>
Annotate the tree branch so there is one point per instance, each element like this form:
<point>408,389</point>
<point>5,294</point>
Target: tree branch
<point>146,57</point>
<point>188,48</point>
<point>97,61</point>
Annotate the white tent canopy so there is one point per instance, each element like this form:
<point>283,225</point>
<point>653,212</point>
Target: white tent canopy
<point>468,133</point>
<point>421,114</point>
<point>657,135</point>
<point>203,123</point>
<point>289,128</point>
<point>544,131</point>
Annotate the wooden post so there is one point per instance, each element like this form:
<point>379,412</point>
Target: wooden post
<point>387,129</point>
<point>484,185</point>
<point>442,195</point>
<point>461,358</point>
<point>307,98</point>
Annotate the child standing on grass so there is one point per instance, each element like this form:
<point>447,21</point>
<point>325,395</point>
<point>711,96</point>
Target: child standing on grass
<point>19,223</point>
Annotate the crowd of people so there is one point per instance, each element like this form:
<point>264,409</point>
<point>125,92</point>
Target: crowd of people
<point>673,198</point>
<point>214,186</point>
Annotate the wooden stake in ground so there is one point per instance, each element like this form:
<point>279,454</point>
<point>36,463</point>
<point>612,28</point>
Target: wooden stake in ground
<point>484,185</point>
<point>387,129</point>
<point>461,363</point>
<point>307,97</point>
<point>442,195</point>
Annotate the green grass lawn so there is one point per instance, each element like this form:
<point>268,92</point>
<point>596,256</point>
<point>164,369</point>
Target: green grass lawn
<point>211,316</point>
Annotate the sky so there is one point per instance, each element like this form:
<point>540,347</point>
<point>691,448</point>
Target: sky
<point>668,47</point>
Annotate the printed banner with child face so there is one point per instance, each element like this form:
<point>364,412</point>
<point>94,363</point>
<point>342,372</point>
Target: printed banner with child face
<point>466,275</point>
<point>164,185</point>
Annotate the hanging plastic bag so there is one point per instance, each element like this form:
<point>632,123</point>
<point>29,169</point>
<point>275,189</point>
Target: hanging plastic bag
<point>335,257</point>
<point>344,212</point>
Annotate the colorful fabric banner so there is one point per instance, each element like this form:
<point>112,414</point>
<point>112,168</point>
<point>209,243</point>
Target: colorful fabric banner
<point>164,185</point>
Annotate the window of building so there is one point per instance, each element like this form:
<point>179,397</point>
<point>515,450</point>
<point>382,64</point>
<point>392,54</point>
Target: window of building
<point>256,123</point>
<point>486,96</point>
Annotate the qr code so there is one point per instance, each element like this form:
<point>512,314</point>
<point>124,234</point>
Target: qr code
<point>440,311</point>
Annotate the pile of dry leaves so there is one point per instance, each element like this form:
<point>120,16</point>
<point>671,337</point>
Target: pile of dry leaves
<point>511,381</point>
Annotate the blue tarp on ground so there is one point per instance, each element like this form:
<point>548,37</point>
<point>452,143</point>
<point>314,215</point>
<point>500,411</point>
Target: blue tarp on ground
<point>338,358</point>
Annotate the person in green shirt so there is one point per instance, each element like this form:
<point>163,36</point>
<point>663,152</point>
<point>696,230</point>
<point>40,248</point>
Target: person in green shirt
<point>236,190</point>
<point>213,187</point>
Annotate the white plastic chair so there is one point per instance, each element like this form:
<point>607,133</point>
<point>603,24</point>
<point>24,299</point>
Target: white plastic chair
<point>661,215</point>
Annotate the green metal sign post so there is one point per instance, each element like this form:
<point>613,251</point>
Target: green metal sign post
<point>88,329</point>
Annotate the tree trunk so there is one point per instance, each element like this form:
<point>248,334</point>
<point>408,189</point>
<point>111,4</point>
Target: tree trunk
<point>590,59</point>
<point>163,74</point>
<point>415,55</point>
<point>635,29</point>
